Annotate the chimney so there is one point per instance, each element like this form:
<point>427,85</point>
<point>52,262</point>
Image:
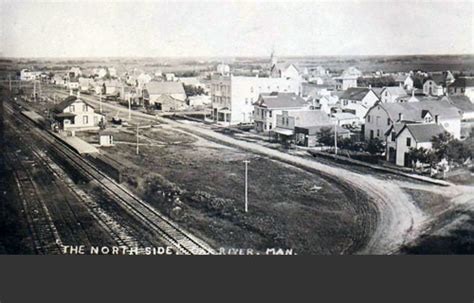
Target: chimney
<point>413,93</point>
<point>436,119</point>
<point>370,86</point>
<point>78,94</point>
<point>400,116</point>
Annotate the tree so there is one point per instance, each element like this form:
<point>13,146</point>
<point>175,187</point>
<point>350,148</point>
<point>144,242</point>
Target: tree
<point>375,146</point>
<point>440,144</point>
<point>326,136</point>
<point>421,155</point>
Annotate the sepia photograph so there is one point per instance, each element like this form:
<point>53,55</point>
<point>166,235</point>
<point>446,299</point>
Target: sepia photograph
<point>288,128</point>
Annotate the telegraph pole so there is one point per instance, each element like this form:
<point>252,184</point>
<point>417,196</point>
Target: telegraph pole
<point>335,138</point>
<point>129,109</point>
<point>137,138</point>
<point>100,101</point>
<point>34,90</point>
<point>246,186</point>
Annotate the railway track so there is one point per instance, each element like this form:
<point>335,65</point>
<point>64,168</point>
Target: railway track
<point>45,236</point>
<point>117,232</point>
<point>169,232</point>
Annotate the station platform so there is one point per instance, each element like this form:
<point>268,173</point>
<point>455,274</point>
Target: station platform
<point>79,145</point>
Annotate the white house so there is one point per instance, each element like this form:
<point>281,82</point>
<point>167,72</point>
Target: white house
<point>411,136</point>
<point>435,85</point>
<point>27,75</point>
<point>382,116</point>
<point>269,105</point>
<point>390,94</point>
<point>76,114</point>
<point>406,81</point>
<point>233,96</point>
<point>288,120</point>
<point>154,90</point>
<point>358,100</point>
<point>223,69</point>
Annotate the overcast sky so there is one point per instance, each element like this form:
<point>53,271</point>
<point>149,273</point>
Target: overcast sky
<point>241,28</point>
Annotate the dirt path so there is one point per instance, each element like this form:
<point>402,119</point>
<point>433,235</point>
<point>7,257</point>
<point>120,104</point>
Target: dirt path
<point>400,220</point>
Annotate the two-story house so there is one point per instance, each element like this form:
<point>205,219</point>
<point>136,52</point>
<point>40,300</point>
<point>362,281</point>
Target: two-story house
<point>357,100</point>
<point>390,94</point>
<point>76,114</point>
<point>269,105</point>
<point>382,116</point>
<point>402,137</point>
<point>233,96</point>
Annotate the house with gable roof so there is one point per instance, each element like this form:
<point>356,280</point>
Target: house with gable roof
<point>358,100</point>
<point>76,114</point>
<point>269,105</point>
<point>402,137</point>
<point>382,116</point>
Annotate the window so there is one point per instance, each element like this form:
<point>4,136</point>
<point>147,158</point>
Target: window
<point>85,119</point>
<point>368,118</point>
<point>270,126</point>
<point>246,100</point>
<point>251,89</point>
<point>408,142</point>
<point>371,134</point>
<point>378,132</point>
<point>270,113</point>
<point>71,108</point>
<point>388,121</point>
<point>393,136</point>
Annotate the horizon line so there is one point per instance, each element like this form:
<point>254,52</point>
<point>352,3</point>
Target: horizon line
<point>228,56</point>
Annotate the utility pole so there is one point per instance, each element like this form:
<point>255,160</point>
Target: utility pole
<point>137,138</point>
<point>34,90</point>
<point>129,109</point>
<point>246,186</point>
<point>335,137</point>
<point>100,101</point>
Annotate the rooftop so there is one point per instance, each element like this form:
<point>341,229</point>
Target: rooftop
<point>412,111</point>
<point>355,93</point>
<point>424,132</point>
<point>157,88</point>
<point>280,100</point>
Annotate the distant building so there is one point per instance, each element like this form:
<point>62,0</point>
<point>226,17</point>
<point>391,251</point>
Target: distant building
<point>435,85</point>
<point>406,81</point>
<point>154,91</point>
<point>463,86</point>
<point>27,75</point>
<point>233,96</point>
<point>358,100</point>
<point>390,94</point>
<point>288,120</point>
<point>223,69</point>
<point>269,105</point>
<point>170,77</point>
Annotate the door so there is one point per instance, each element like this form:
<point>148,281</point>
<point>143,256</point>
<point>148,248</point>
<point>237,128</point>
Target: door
<point>85,120</point>
<point>407,160</point>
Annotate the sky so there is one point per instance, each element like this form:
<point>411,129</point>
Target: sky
<point>234,28</point>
